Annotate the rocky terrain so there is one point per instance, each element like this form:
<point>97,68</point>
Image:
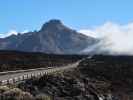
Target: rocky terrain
<point>62,86</point>
<point>115,68</point>
<point>115,71</point>
<point>98,78</point>
<point>109,78</point>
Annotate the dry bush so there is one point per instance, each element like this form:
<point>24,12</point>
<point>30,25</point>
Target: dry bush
<point>16,94</point>
<point>3,89</point>
<point>43,97</point>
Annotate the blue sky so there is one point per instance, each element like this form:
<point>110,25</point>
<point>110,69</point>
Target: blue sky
<point>29,15</point>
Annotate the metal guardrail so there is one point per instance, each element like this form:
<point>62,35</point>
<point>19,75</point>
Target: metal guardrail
<point>18,71</point>
<point>27,74</point>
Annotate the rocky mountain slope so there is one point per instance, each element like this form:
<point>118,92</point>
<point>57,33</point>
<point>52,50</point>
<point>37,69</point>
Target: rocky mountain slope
<point>53,37</point>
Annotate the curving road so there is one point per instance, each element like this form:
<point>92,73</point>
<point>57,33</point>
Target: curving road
<point>11,77</point>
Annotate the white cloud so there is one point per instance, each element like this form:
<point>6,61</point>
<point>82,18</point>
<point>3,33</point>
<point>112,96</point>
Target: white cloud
<point>11,32</point>
<point>8,33</point>
<point>25,31</point>
<point>115,38</point>
<point>88,33</point>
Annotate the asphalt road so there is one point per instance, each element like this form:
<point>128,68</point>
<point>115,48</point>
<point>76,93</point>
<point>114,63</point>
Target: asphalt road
<point>13,76</point>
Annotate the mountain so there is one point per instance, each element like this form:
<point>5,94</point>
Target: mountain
<point>53,37</point>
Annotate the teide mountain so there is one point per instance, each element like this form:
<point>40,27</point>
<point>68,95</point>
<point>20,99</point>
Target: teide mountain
<point>53,37</point>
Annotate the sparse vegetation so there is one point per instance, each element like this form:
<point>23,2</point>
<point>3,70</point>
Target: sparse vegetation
<point>7,93</point>
<point>43,97</point>
<point>93,78</point>
<point>14,94</point>
<point>99,76</point>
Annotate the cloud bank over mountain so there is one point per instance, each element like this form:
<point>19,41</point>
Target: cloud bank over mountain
<point>110,38</point>
<point>115,38</point>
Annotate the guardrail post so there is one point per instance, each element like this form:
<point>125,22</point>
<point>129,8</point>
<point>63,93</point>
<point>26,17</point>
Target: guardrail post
<point>4,82</point>
<point>32,75</point>
<point>15,79</point>
<point>21,78</point>
<point>10,81</point>
<point>29,75</point>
